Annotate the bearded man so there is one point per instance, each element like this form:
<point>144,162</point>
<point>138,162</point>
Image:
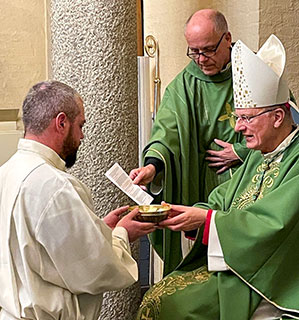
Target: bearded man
<point>56,256</point>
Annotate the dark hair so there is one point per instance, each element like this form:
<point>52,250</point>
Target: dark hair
<point>45,101</point>
<point>220,22</point>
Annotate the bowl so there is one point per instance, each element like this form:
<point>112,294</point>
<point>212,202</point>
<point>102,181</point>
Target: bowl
<point>151,213</point>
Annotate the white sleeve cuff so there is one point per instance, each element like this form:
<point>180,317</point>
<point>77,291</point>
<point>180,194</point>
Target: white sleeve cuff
<point>215,254</point>
<point>122,234</point>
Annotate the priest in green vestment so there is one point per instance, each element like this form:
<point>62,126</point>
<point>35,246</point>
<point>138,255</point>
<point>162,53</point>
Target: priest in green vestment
<point>196,109</point>
<point>243,264</point>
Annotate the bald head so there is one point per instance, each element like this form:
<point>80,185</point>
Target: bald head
<point>204,30</point>
<point>213,18</point>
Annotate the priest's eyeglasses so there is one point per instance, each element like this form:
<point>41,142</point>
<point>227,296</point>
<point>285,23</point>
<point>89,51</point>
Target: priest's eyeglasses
<point>248,119</point>
<point>195,54</point>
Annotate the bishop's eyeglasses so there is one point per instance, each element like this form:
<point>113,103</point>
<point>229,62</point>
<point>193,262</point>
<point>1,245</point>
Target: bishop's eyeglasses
<point>248,119</point>
<point>195,54</point>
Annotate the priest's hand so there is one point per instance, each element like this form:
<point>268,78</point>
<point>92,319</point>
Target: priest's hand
<point>135,228</point>
<point>183,218</point>
<point>224,159</point>
<point>113,217</point>
<point>143,175</point>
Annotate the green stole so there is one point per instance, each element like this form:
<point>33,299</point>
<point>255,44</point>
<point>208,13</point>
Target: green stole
<point>194,111</point>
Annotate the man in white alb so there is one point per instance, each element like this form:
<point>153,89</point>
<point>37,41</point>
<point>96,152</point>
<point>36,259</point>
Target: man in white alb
<point>56,256</point>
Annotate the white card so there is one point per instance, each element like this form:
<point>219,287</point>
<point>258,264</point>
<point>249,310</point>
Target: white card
<point>120,178</point>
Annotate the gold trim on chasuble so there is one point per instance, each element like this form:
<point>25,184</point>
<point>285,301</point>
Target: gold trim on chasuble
<point>260,184</point>
<point>151,303</point>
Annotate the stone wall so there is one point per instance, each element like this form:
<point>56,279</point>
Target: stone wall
<point>282,19</point>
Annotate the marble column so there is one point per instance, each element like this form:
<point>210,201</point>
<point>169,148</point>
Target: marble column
<point>93,49</point>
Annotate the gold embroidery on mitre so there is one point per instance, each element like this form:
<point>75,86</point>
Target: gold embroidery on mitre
<point>248,196</point>
<point>242,93</point>
<point>151,303</point>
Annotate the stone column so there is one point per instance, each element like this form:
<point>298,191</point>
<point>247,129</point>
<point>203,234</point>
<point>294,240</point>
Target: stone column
<point>93,46</point>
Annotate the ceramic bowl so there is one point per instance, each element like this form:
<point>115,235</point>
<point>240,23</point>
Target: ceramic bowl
<point>151,213</point>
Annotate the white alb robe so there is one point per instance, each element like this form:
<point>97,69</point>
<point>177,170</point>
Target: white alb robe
<point>56,256</point>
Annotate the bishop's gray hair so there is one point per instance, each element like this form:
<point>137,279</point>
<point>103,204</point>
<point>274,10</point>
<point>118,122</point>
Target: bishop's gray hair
<point>45,101</point>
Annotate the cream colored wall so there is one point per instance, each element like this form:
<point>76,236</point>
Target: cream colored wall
<point>165,20</point>
<point>23,61</point>
<point>23,54</point>
<point>243,19</point>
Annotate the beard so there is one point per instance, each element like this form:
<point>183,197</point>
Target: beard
<point>69,150</point>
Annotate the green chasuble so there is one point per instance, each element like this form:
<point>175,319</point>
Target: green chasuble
<point>194,111</point>
<point>257,221</point>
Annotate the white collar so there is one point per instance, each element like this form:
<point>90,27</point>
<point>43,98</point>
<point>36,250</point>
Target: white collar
<point>48,154</point>
<point>283,145</point>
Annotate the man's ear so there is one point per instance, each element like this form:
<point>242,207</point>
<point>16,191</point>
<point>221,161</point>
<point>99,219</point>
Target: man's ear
<point>279,115</point>
<point>61,121</point>
<point>228,38</point>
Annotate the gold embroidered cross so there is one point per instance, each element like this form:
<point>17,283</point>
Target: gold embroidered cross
<point>228,116</point>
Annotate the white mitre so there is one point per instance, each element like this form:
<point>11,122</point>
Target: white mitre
<point>259,80</point>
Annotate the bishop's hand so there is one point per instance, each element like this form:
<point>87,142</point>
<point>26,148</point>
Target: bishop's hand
<point>184,218</point>
<point>223,159</point>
